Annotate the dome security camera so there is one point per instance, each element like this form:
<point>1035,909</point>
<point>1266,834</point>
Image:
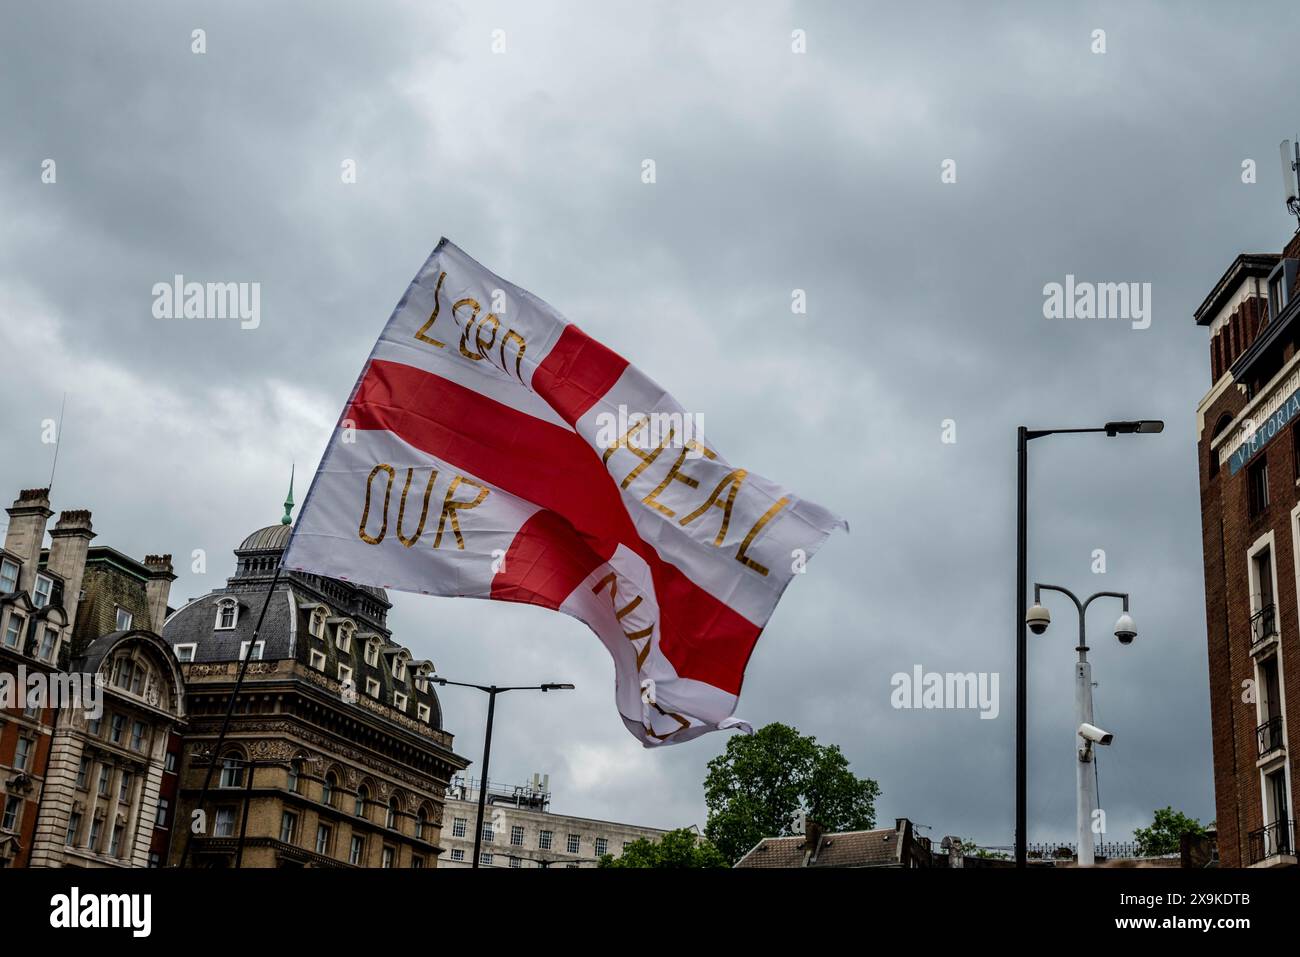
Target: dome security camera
<point>1038,618</point>
<point>1125,630</point>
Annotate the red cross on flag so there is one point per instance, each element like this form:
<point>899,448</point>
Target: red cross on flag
<point>492,449</point>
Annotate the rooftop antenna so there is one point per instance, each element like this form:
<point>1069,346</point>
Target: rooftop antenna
<point>1290,175</point>
<point>58,440</point>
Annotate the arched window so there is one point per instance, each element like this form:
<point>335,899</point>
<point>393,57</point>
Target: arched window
<point>294,783</point>
<point>227,614</point>
<point>391,820</point>
<point>421,822</point>
<point>232,770</point>
<point>363,796</point>
<point>317,624</point>
<point>343,636</point>
<point>328,788</point>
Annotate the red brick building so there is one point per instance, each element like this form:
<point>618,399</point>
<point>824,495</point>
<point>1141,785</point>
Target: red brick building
<point>1248,441</point>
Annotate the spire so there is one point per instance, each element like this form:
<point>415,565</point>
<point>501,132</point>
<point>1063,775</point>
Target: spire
<point>288,502</point>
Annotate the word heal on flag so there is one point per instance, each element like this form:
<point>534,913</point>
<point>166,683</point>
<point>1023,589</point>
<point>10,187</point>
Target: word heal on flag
<point>474,459</point>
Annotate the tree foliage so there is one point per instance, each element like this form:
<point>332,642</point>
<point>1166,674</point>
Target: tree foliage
<point>761,783</point>
<point>680,848</point>
<point>1166,831</point>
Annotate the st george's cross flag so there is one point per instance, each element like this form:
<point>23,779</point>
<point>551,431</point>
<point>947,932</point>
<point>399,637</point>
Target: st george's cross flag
<point>492,449</point>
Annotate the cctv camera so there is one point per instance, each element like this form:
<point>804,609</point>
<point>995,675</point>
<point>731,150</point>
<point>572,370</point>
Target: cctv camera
<point>1038,618</point>
<point>1090,732</point>
<point>1125,630</point>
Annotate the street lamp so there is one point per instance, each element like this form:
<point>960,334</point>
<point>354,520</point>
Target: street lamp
<point>1038,618</point>
<point>1023,437</point>
<point>491,691</point>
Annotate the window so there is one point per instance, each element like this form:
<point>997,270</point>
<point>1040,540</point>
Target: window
<point>316,627</point>
<point>155,859</point>
<point>571,865</point>
<point>328,787</point>
<point>227,614</point>
<point>399,701</point>
<point>185,653</point>
<point>359,807</point>
<point>48,642</point>
<point>515,862</point>
<point>294,779</point>
<point>602,847</point>
<point>357,852</point>
<point>422,711</point>
<point>458,827</point>
<point>41,595</point>
<point>74,825</point>
<point>257,650</point>
<point>488,835</point>
<point>83,773</point>
<point>388,856</point>
<point>124,619</point>
<point>225,822</point>
<point>8,576</point>
<point>1257,486</point>
<point>485,859</point>
<point>93,725</point>
<point>232,772</point>
<point>457,855</point>
<point>317,660</point>
<point>343,636</point>
<point>105,775</point>
<point>115,843</point>
<point>372,687</point>
<point>13,630</point>
<point>399,667</point>
<point>169,764</point>
<point>13,804</point>
<point>544,840</point>
<point>372,653</point>
<point>96,829</point>
<point>390,819</point>
<point>345,675</point>
<point>417,861</point>
<point>32,711</point>
<point>164,806</point>
<point>124,787</point>
<point>323,835</point>
<point>421,822</point>
<point>288,827</point>
<point>574,843</point>
<point>22,753</point>
<point>517,835</point>
<point>137,735</point>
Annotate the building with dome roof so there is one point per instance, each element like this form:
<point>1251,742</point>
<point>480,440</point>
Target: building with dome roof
<point>336,755</point>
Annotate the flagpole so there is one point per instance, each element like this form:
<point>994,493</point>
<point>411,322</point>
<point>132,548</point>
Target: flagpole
<point>215,751</point>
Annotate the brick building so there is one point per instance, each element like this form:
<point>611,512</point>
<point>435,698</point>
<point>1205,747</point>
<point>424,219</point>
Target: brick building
<point>336,755</point>
<point>1248,441</point>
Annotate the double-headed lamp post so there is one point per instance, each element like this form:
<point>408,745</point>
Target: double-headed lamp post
<point>491,691</point>
<point>1038,618</point>
<point>1023,437</point>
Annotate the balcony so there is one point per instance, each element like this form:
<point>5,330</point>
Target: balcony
<point>1269,736</point>
<point>1271,845</point>
<point>1263,626</point>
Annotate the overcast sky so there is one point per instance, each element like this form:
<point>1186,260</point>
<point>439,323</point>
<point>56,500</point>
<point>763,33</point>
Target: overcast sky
<point>776,171</point>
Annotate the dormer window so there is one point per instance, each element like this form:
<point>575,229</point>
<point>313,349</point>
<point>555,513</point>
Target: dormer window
<point>8,576</point>
<point>372,687</point>
<point>399,701</point>
<point>343,636</point>
<point>49,642</point>
<point>227,614</point>
<point>423,712</point>
<point>316,626</point>
<point>41,594</point>
<point>372,653</point>
<point>14,630</point>
<point>399,665</point>
<point>1280,281</point>
<point>124,620</point>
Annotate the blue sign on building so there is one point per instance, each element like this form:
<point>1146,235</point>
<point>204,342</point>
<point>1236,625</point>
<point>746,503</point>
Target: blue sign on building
<point>1264,432</point>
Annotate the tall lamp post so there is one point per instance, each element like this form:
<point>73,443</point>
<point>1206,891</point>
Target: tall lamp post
<point>1023,437</point>
<point>492,691</point>
<point>1038,618</point>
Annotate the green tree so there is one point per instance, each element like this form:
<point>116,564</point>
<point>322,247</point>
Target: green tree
<point>761,782</point>
<point>1165,833</point>
<point>679,848</point>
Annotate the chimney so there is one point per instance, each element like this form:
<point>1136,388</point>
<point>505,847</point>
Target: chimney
<point>27,517</point>
<point>69,542</point>
<point>158,588</point>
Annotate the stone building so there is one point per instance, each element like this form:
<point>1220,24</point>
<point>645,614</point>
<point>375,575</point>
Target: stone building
<point>520,830</point>
<point>82,773</point>
<point>1248,434</point>
<point>336,755</point>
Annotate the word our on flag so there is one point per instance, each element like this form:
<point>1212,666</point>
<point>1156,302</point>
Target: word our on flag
<point>474,458</point>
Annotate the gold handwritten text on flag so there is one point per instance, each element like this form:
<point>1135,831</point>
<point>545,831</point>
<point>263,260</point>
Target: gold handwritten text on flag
<point>451,506</point>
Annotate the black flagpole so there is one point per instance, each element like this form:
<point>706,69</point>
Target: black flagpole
<point>230,710</point>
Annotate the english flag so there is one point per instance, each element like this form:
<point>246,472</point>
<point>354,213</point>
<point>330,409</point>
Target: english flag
<point>492,449</point>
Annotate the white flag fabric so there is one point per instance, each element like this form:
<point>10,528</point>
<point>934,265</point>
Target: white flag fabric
<point>491,449</point>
